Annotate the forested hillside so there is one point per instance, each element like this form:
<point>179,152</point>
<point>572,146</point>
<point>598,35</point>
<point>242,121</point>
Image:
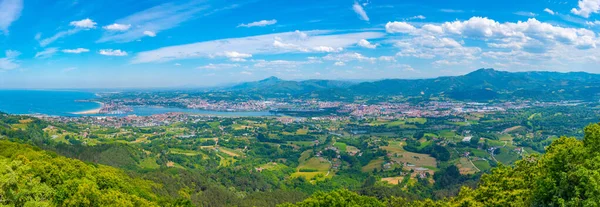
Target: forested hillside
<point>33,177</point>
<point>479,85</point>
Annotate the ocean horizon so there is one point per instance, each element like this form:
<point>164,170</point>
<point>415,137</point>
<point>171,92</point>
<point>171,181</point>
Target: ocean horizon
<point>68,103</point>
<point>48,102</point>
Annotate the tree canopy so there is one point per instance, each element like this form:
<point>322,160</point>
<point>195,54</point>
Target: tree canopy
<point>32,177</point>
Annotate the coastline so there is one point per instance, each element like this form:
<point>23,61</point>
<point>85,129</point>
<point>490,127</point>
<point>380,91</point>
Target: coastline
<point>91,111</point>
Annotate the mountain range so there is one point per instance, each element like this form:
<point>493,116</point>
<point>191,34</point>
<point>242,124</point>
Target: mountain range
<point>480,85</point>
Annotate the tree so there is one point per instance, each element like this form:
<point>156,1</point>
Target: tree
<point>419,135</point>
<point>337,198</point>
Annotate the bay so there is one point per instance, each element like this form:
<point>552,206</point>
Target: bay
<point>66,103</point>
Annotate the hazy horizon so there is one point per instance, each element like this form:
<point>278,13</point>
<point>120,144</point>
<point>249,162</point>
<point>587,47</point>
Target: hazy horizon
<point>225,85</point>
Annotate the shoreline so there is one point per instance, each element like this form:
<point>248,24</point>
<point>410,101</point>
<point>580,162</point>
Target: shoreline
<point>91,111</point>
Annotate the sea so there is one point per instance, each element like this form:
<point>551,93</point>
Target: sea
<point>67,103</point>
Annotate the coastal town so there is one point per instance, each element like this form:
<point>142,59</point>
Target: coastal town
<point>334,110</point>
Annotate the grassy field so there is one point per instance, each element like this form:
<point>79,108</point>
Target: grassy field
<point>301,131</point>
<point>352,149</point>
<point>186,152</point>
<point>231,152</point>
<point>240,127</point>
<point>340,145</point>
<point>512,129</point>
<point>507,156</point>
<point>149,163</point>
<point>394,147</point>
<point>273,166</point>
<point>374,164</point>
<point>315,163</point>
<point>395,123</point>
<point>495,143</point>
<point>447,134</point>
<point>482,165</point>
<point>417,159</point>
<point>479,153</point>
<point>304,156</point>
<point>416,120</point>
<point>465,166</point>
<point>505,137</point>
<point>226,160</point>
<point>393,180</point>
<point>214,124</point>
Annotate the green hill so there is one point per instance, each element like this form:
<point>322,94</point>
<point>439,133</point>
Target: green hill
<point>480,85</point>
<point>32,177</point>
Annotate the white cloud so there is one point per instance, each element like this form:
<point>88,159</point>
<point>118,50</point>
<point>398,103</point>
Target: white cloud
<point>339,63</point>
<point>9,62</point>
<point>480,41</point>
<point>61,34</point>
<point>246,73</point>
<point>111,52</point>
<point>277,43</point>
<point>47,53</point>
<point>326,49</point>
<point>433,28</point>
<point>586,7</point>
<point>347,57</point>
<point>280,64</point>
<point>81,25</point>
<point>530,32</point>
<point>75,51</point>
<point>155,19</point>
<point>218,66</point>
<point>235,54</point>
<point>177,64</point>
<point>592,24</point>
<point>260,23</point>
<point>301,36</point>
<point>387,58</point>
<point>360,11</point>
<point>439,63</point>
<point>416,17</point>
<point>399,27</point>
<point>10,11</point>
<point>117,27</point>
<point>366,44</point>
<point>150,33</point>
<point>526,14</point>
<point>428,47</point>
<point>84,24</point>
<point>549,11</point>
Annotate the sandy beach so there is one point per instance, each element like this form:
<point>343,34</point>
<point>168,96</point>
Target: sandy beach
<point>91,111</point>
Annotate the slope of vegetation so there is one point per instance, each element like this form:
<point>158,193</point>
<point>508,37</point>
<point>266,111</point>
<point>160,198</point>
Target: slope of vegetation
<point>31,177</point>
<point>568,174</point>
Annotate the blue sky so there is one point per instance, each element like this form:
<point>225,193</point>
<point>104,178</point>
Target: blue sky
<point>152,43</point>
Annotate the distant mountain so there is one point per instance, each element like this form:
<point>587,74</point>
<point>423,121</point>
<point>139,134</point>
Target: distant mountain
<point>274,85</point>
<point>480,85</point>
